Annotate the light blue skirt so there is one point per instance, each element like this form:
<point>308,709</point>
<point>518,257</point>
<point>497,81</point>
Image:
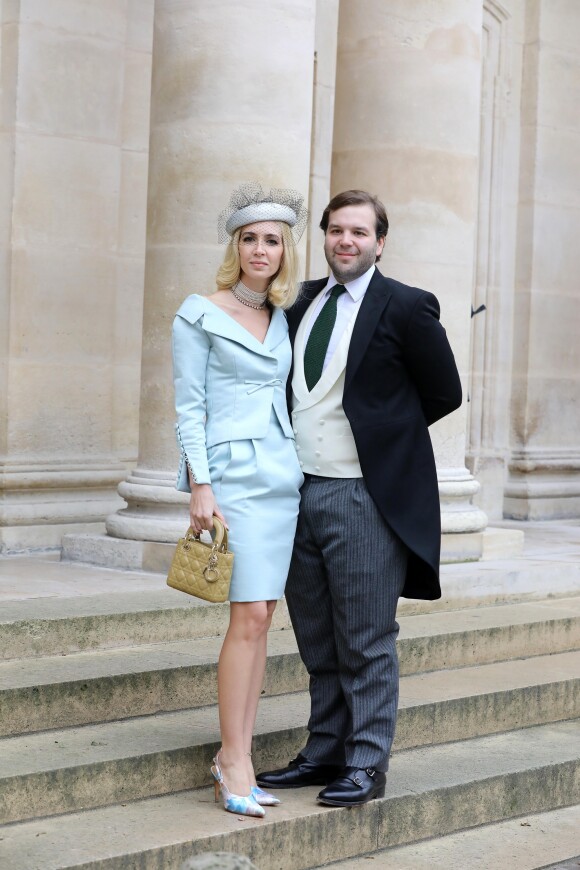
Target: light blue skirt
<point>257,487</point>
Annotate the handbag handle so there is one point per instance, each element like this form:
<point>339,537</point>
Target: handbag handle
<point>221,535</point>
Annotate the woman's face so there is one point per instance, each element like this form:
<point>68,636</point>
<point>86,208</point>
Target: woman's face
<point>261,250</point>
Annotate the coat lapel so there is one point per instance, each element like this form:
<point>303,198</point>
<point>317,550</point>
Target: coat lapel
<point>219,323</point>
<point>375,301</point>
<point>297,378</point>
<point>331,373</point>
<point>310,291</point>
<point>278,330</point>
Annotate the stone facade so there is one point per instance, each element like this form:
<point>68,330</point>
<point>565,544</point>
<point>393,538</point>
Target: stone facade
<point>123,127</point>
<point>74,137</point>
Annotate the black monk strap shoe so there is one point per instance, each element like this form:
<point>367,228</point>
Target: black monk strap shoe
<point>354,786</point>
<point>299,772</point>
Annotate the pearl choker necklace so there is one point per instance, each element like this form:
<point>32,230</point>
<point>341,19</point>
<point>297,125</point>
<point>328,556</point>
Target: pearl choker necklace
<point>249,297</point>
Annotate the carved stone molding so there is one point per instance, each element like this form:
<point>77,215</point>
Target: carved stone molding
<point>155,510</point>
<point>543,484</point>
<point>40,503</point>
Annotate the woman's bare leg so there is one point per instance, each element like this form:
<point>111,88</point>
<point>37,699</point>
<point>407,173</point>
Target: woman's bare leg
<point>239,689</point>
<point>255,692</point>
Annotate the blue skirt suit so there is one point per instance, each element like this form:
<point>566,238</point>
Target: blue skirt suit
<point>234,432</point>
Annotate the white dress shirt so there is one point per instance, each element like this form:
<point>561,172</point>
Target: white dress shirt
<point>347,303</point>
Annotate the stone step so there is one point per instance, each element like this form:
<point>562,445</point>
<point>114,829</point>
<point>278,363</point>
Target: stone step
<point>430,792</point>
<point>60,626</point>
<point>481,635</point>
<point>103,685</point>
<point>58,771</point>
<point>526,843</point>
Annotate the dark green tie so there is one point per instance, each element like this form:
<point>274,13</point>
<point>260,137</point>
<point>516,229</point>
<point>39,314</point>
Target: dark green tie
<point>319,338</point>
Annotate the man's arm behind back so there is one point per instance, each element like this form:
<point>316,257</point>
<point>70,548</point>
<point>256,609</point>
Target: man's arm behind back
<point>430,361</point>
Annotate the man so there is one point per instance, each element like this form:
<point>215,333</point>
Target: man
<point>372,370</point>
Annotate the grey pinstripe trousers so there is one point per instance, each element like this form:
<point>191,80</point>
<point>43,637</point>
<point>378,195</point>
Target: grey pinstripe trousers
<point>346,575</point>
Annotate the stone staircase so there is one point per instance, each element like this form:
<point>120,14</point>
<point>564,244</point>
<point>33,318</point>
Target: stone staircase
<point>108,725</point>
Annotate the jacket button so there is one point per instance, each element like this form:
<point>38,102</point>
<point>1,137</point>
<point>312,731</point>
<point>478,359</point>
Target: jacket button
<point>317,467</point>
<point>301,465</point>
<point>317,453</point>
<point>321,422</point>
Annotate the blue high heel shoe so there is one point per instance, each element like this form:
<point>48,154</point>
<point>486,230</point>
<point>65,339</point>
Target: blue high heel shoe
<point>234,803</point>
<point>264,798</point>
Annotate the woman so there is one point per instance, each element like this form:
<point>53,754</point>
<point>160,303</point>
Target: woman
<point>231,357</point>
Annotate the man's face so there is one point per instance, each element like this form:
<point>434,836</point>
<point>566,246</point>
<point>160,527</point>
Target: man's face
<point>350,244</point>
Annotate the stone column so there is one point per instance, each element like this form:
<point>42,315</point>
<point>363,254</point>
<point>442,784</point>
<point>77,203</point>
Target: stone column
<point>407,128</point>
<point>74,108</point>
<point>322,130</point>
<point>492,326</point>
<point>231,102</point>
<point>544,481</point>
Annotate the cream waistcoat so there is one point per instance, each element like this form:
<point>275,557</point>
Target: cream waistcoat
<point>324,439</point>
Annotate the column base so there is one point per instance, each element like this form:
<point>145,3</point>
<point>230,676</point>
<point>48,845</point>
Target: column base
<point>461,548</point>
<point>155,510</point>
<point>38,505</point>
<point>461,521</point>
<point>490,470</point>
<point>142,535</point>
<point>157,514</point>
<point>543,485</point>
<point>132,555</point>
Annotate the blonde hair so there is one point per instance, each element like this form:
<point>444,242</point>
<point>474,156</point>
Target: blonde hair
<point>283,289</point>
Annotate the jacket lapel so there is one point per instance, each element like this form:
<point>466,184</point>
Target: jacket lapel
<point>297,379</point>
<point>331,373</point>
<point>374,303</point>
<point>310,290</point>
<point>219,323</point>
<point>278,330</point>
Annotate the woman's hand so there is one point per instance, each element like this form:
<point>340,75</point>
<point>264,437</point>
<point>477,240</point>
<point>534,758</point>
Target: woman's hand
<point>203,507</point>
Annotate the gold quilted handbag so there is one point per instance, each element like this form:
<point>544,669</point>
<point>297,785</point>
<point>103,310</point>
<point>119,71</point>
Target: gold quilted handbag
<point>200,569</point>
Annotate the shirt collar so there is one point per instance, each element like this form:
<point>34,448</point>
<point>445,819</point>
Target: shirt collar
<point>357,288</point>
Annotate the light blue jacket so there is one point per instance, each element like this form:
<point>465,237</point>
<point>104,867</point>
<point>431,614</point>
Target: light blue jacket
<point>226,382</point>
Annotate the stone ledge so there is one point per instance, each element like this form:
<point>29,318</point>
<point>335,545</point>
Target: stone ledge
<point>530,842</point>
<point>502,543</point>
<point>491,543</point>
<point>109,552</point>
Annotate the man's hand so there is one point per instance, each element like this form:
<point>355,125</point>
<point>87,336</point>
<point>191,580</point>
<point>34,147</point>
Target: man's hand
<point>203,507</point>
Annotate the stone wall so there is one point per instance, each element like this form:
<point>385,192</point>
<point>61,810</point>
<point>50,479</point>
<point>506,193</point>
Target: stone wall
<point>75,129</point>
<point>544,477</point>
<point>493,303</point>
<point>460,115</point>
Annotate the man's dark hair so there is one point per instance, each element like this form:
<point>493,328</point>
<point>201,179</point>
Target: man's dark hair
<point>358,197</point>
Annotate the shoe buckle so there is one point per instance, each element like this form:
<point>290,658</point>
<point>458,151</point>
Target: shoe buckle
<point>357,781</point>
<point>370,772</point>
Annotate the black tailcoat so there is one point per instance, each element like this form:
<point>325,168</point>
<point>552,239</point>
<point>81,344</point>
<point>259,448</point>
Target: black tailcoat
<point>400,377</point>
